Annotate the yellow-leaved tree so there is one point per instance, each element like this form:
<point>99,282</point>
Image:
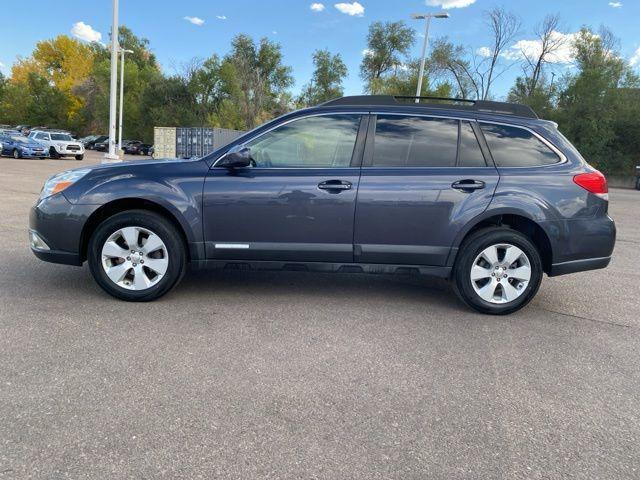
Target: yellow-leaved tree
<point>65,63</point>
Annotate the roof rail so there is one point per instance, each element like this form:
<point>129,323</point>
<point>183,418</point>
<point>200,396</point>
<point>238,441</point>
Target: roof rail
<point>485,106</point>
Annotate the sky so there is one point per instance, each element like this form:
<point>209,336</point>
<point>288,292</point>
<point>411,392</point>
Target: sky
<point>181,30</point>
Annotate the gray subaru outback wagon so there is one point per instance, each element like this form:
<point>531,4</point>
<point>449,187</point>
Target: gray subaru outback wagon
<point>482,193</point>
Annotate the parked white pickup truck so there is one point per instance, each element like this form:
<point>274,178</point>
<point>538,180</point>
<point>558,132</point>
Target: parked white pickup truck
<point>60,144</point>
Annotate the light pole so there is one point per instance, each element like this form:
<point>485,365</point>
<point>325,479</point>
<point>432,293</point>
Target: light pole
<point>122,52</point>
<point>111,155</point>
<point>427,17</point>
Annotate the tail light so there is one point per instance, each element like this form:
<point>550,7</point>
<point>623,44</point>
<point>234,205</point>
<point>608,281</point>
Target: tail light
<point>594,182</point>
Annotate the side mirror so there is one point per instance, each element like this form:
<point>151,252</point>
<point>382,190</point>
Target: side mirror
<point>237,157</point>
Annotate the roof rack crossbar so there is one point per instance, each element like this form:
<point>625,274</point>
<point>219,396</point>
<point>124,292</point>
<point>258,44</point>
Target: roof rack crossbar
<point>483,106</point>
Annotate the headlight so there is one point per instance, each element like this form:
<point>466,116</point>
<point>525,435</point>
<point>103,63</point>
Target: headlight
<point>60,145</point>
<point>63,180</point>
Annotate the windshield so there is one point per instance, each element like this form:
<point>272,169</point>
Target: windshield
<point>21,139</point>
<point>61,136</point>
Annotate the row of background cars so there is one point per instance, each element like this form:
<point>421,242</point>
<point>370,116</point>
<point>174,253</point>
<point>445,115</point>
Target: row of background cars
<point>25,141</point>
<point>131,147</point>
<point>39,142</point>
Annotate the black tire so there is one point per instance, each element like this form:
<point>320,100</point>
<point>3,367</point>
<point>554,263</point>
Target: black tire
<point>638,183</point>
<point>167,232</point>
<point>42,158</point>
<point>16,154</point>
<point>79,157</point>
<point>471,248</point>
<point>53,153</point>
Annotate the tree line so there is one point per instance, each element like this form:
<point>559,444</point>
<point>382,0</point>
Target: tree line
<point>64,83</point>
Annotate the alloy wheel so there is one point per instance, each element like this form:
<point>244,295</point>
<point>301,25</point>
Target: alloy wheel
<point>500,273</point>
<point>134,258</point>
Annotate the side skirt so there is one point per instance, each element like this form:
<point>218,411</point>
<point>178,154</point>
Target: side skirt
<point>376,268</point>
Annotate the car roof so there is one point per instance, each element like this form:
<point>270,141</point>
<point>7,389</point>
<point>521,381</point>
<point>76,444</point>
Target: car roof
<point>477,109</point>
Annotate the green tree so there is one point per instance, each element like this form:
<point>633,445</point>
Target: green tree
<point>448,61</point>
<point>140,71</point>
<point>255,79</point>
<point>589,105</point>
<point>204,81</point>
<point>541,98</point>
<point>167,102</point>
<point>404,82</point>
<point>326,82</point>
<point>3,86</point>
<point>386,44</point>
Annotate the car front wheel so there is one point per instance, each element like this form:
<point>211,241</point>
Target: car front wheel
<point>79,157</point>
<point>498,271</point>
<point>16,154</point>
<point>137,255</point>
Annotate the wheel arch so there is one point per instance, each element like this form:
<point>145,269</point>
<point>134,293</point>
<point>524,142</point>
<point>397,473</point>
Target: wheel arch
<point>516,220</point>
<point>121,205</point>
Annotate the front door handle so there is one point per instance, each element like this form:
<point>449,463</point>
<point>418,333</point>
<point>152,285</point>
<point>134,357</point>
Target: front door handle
<point>468,185</point>
<point>335,185</point>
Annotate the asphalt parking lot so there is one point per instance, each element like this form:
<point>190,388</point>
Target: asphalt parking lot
<point>301,375</point>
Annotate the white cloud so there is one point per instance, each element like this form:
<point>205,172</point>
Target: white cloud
<point>447,4</point>
<point>1,65</point>
<point>195,20</point>
<point>220,17</point>
<point>615,4</point>
<point>635,58</point>
<point>275,32</point>
<point>532,48</point>
<point>354,9</point>
<point>366,52</point>
<point>85,32</point>
<point>484,51</point>
<point>317,7</point>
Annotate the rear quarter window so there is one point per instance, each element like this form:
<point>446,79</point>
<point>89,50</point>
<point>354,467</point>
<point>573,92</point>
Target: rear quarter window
<point>517,147</point>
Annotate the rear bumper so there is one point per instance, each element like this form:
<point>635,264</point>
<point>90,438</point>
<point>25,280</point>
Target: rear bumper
<point>580,244</point>
<point>578,266</point>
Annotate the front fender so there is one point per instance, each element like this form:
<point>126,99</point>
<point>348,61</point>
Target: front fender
<point>175,186</point>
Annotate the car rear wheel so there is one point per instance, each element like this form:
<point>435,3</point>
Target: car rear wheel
<point>16,153</point>
<point>498,271</point>
<point>137,255</point>
<point>79,157</point>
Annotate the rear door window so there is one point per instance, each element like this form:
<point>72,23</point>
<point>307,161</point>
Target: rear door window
<point>409,141</point>
<point>517,147</point>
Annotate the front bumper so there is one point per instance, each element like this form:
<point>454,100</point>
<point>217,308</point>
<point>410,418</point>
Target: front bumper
<point>57,256</point>
<point>31,153</point>
<point>65,151</point>
<point>59,224</point>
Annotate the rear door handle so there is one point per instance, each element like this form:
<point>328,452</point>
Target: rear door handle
<point>335,185</point>
<point>468,185</point>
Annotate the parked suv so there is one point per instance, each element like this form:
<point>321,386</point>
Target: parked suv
<point>59,144</point>
<point>482,193</point>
